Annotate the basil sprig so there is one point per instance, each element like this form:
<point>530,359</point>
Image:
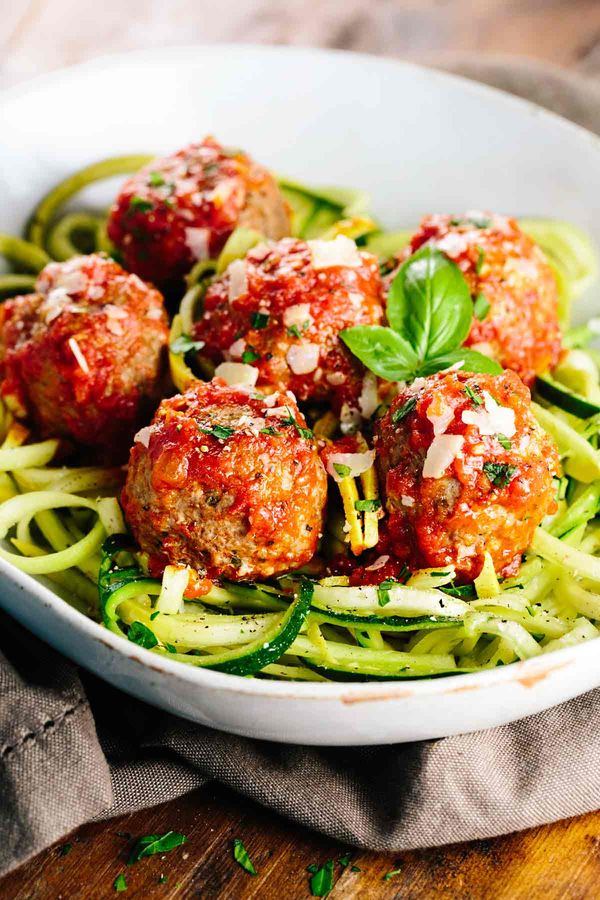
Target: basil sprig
<point>429,311</point>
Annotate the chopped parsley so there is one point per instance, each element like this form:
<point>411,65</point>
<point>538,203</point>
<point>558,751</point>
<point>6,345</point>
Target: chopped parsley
<point>500,474</point>
<point>139,204</point>
<point>355,869</point>
<point>156,180</point>
<point>312,868</point>
<point>171,648</point>
<point>367,505</point>
<point>303,432</point>
<point>119,884</point>
<point>502,439</point>
<point>240,854</point>
<point>154,614</point>
<point>321,882</point>
<point>222,432</point>
<point>272,432</point>
<point>391,874</point>
<point>473,395</point>
<point>404,410</point>
<point>184,343</point>
<point>476,222</point>
<point>481,306</point>
<point>480,259</point>
<point>383,591</point>
<point>155,843</point>
<point>66,849</point>
<point>342,470</point>
<point>163,879</point>
<point>294,331</point>
<point>141,635</point>
<point>250,355</point>
<point>344,860</point>
<point>259,320</point>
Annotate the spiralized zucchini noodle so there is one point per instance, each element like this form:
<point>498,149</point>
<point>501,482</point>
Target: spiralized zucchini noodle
<point>65,525</point>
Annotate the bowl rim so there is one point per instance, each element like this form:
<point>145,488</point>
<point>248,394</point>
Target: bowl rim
<point>528,672</point>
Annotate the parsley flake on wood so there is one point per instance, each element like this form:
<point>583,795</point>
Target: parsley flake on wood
<point>367,505</point>
<point>481,307</point>
<point>163,879</point>
<point>141,635</point>
<point>119,884</point>
<point>345,860</point>
<point>222,432</point>
<point>259,320</point>
<point>500,474</point>
<point>155,843</point>
<point>184,343</point>
<point>404,410</point>
<point>391,874</point>
<point>66,849</point>
<point>240,854</point>
<point>321,882</point>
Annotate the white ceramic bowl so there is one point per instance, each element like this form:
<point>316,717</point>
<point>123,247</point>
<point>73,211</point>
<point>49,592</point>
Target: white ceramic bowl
<point>418,141</point>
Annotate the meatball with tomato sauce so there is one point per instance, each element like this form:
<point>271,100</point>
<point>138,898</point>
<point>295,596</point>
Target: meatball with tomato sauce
<point>465,469</point>
<point>514,290</point>
<point>281,310</point>
<point>84,358</point>
<point>181,209</point>
<point>228,482</point>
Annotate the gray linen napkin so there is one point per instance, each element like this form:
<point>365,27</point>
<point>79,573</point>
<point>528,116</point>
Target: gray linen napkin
<point>73,748</point>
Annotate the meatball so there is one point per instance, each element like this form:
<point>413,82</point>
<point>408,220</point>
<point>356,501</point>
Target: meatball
<point>227,481</point>
<point>281,310</point>
<point>513,287</point>
<point>182,208</point>
<point>465,469</point>
<point>85,356</point>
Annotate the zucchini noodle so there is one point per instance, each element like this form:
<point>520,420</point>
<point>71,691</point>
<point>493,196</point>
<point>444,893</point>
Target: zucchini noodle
<point>64,523</point>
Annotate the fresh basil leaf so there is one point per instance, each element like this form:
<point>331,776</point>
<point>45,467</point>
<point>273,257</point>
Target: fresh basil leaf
<point>240,854</point>
<point>471,359</point>
<point>430,304</point>
<point>381,350</point>
<point>156,843</point>
<point>141,635</point>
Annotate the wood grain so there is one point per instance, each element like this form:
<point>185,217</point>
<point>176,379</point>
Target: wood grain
<point>548,863</point>
<point>555,861</point>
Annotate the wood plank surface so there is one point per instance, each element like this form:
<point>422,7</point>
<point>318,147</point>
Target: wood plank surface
<point>555,861</point>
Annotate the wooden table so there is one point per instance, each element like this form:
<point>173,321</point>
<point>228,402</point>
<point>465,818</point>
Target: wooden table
<point>556,861</point>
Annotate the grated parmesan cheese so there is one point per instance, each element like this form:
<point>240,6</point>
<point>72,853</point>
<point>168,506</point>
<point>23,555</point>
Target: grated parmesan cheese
<point>197,240</point>
<point>492,419</point>
<point>442,451</point>
<point>237,373</point>
<point>238,280</point>
<point>339,252</point>
<point>303,358</point>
